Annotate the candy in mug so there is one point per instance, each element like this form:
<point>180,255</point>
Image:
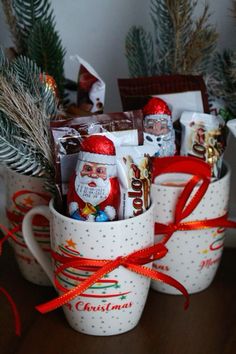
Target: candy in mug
<point>158,127</point>
<point>203,137</point>
<point>134,173</point>
<point>113,304</point>
<point>94,190</point>
<point>193,254</point>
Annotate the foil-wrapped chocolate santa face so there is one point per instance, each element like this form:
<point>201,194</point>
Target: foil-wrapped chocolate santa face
<point>158,127</point>
<point>91,183</point>
<point>94,191</point>
<point>94,170</point>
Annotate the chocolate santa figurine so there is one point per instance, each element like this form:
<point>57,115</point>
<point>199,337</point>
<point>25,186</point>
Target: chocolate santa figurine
<point>94,191</point>
<point>158,127</point>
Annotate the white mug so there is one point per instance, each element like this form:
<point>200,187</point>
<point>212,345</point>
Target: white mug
<point>114,304</point>
<point>193,256</point>
<point>22,194</point>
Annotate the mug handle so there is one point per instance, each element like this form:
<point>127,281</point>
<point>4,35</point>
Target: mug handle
<point>32,244</point>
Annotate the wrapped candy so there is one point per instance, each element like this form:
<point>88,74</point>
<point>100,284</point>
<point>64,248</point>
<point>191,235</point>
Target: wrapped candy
<point>94,191</point>
<point>158,127</point>
<point>91,88</point>
<point>134,173</point>
<point>124,128</point>
<point>203,137</point>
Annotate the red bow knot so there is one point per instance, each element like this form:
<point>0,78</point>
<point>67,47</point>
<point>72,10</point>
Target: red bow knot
<point>190,197</point>
<point>134,261</point>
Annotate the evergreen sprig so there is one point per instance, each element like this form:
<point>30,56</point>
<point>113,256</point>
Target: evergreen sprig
<point>35,33</point>
<point>34,81</point>
<point>18,153</point>
<point>25,140</point>
<point>164,35</point>
<point>221,81</point>
<point>28,12</point>
<point>182,44</point>
<point>139,52</point>
<point>45,48</point>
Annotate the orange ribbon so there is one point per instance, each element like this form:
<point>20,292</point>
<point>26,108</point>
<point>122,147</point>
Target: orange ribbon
<point>134,261</point>
<point>168,230</point>
<point>185,205</point>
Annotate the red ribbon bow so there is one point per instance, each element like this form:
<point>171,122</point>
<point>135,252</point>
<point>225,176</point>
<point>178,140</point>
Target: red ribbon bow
<point>185,205</point>
<point>134,262</point>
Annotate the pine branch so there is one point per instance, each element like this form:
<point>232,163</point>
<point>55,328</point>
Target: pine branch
<point>17,153</point>
<point>200,45</point>
<point>27,12</point>
<point>183,45</point>
<point>182,25</point>
<point>34,82</point>
<point>35,24</point>
<point>12,23</point>
<point>4,63</point>
<point>19,108</point>
<point>139,52</point>
<point>163,36</point>
<point>45,48</point>
<point>221,81</point>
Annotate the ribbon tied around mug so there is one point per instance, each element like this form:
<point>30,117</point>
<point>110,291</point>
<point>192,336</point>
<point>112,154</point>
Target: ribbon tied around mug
<point>187,201</point>
<point>15,216</point>
<point>134,262</point>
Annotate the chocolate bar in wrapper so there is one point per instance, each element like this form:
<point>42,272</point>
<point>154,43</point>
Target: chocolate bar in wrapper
<point>122,128</point>
<point>134,173</point>
<point>203,137</point>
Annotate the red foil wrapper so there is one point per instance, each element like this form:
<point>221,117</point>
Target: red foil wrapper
<point>94,191</point>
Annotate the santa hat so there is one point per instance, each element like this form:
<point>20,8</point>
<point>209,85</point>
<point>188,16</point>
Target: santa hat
<point>98,149</point>
<point>156,107</point>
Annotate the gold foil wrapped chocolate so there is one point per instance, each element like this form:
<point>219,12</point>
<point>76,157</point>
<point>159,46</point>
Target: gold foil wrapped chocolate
<point>203,136</point>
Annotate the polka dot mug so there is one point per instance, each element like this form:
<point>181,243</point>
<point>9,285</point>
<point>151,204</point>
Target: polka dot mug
<point>194,256</point>
<point>22,194</point>
<point>113,304</point>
